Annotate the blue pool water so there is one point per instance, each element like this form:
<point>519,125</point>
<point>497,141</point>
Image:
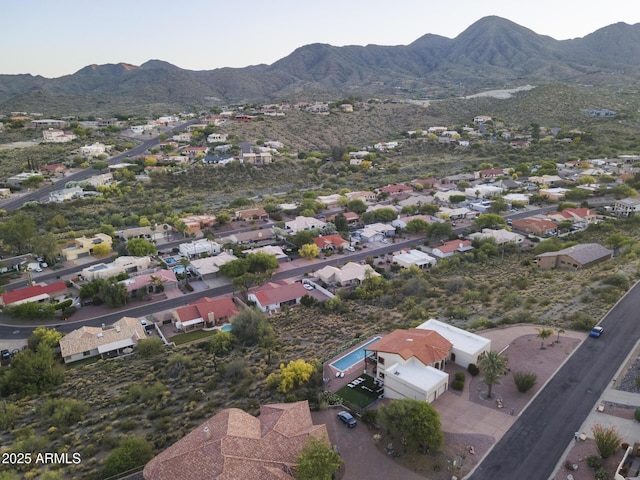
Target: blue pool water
<point>353,357</point>
<point>226,328</point>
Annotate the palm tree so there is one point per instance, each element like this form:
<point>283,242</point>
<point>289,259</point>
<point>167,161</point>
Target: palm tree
<point>492,366</point>
<point>544,333</point>
<point>559,331</point>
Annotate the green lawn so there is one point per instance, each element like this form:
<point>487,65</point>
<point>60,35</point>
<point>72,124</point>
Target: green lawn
<point>361,396</point>
<point>183,338</point>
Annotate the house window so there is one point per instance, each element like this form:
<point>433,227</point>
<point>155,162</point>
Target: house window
<point>86,354</point>
<point>381,360</point>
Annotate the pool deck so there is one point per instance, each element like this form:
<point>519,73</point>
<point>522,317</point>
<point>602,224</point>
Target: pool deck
<point>335,383</point>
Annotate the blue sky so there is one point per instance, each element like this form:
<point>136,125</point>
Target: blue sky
<point>58,37</point>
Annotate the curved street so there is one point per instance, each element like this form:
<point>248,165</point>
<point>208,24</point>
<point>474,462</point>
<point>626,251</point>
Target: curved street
<point>534,445</point>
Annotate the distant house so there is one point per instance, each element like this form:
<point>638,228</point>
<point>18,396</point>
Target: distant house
<point>53,169</point>
<point>351,274</point>
<point>403,221</point>
<point>576,257</point>
<point>205,312</point>
<point>626,207</point>
<point>59,196</point>
<point>365,196</point>
<point>303,223</point>
<point>331,201</point>
<point>35,293</point>
<point>87,342</point>
<point>414,258</point>
<point>448,249</point>
<point>199,247</point>
<point>540,227</point>
<point>410,364</point>
<point>209,267</point>
<point>154,233</point>
<point>274,250</point>
<point>123,264</point>
<point>330,242</point>
<point>499,236</point>
<point>233,444</point>
<point>553,193</point>
<point>196,223</point>
<point>396,189</point>
<point>251,214</point>
<point>15,263</point>
<point>152,282</point>
<point>84,246</point>
<point>274,295</point>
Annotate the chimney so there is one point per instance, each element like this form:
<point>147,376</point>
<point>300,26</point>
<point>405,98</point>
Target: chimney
<point>206,434</point>
<point>118,328</point>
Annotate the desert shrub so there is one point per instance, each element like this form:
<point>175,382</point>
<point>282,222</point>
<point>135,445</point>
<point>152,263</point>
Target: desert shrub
<point>131,453</point>
<point>63,412</point>
<point>457,385</point>
<point>581,321</point>
<point>149,347</point>
<point>607,439</point>
<point>481,323</point>
<point>370,417</point>
<point>473,369</point>
<point>459,376</point>
<point>594,461</point>
<point>601,474</point>
<point>524,381</point>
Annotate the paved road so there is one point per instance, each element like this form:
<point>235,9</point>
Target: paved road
<point>42,194</point>
<point>10,330</point>
<point>531,449</point>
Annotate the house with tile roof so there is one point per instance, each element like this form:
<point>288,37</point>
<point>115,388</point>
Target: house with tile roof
<point>251,214</point>
<point>233,444</point>
<point>350,274</point>
<point>303,223</point>
<point>273,296</point>
<point>330,242</point>
<point>205,312</point>
<point>209,267</point>
<point>86,341</point>
<point>410,364</point>
<point>396,189</point>
<point>151,281</point>
<point>466,347</point>
<point>576,257</point>
<point>537,225</point>
<point>35,293</point>
<point>448,249</point>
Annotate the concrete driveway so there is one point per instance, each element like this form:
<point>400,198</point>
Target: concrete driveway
<point>361,457</point>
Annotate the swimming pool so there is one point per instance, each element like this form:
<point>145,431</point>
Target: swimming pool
<point>351,358</point>
<point>226,328</point>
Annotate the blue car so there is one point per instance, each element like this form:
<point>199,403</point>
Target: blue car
<point>347,418</point>
<point>596,332</point>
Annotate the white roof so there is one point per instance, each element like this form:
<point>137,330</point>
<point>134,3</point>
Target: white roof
<point>461,339</point>
<point>109,347</point>
<point>414,257</point>
<point>423,377</point>
<point>188,323</point>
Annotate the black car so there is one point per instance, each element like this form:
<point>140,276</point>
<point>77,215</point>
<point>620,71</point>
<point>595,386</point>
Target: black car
<point>347,418</point>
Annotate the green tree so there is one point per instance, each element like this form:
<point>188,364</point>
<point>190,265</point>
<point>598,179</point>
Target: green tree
<point>139,247</point>
<point>489,220</point>
<point>101,249</point>
<point>234,268</point>
<point>19,232</point>
<point>46,246</point>
<point>457,198</point>
<point>416,421</point>
<point>317,460</point>
<point>309,251</point>
<point>33,372</point>
<point>498,204</point>
<point>302,237</point>
<point>149,347</point>
<point>33,182</point>
<point>439,230</point>
<point>417,225</point>
<point>114,294</point>
<point>357,206</point>
<point>9,414</point>
<point>45,337</point>
<point>250,327</point>
<point>62,413</point>
<point>492,366</point>
<point>295,374</point>
<point>221,343</point>
<point>543,334</point>
<point>340,221</point>
<point>261,262</point>
<point>131,453</point>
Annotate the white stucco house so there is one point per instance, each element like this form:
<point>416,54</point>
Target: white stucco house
<point>414,258</point>
<point>466,347</point>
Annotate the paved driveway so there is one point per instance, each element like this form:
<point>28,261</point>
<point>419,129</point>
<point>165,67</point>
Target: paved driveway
<point>363,461</point>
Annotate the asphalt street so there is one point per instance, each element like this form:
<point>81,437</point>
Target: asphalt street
<point>533,446</point>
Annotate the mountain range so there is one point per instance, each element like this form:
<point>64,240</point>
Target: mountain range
<point>491,53</point>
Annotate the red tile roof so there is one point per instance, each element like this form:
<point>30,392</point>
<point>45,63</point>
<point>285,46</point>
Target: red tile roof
<point>31,292</point>
<point>453,245</point>
<point>330,240</point>
<point>279,292</point>
<point>222,307</point>
<point>428,346</point>
<point>235,445</point>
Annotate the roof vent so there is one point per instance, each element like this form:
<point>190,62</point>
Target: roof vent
<point>206,434</point>
<point>409,339</point>
<point>100,335</point>
<point>118,328</point>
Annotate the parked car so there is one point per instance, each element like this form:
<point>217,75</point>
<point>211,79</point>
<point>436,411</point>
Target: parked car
<point>347,419</point>
<point>350,249</point>
<point>596,332</point>
<point>5,357</point>
<point>308,286</point>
